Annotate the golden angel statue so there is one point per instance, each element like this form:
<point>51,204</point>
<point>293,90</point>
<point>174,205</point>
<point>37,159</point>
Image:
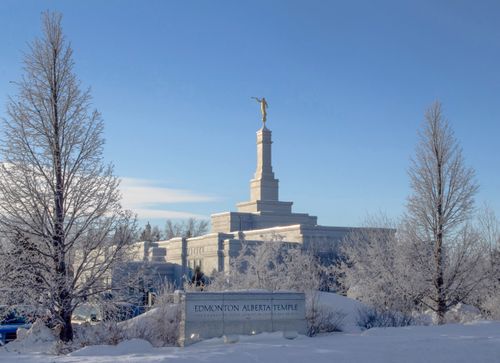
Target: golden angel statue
<point>263,108</point>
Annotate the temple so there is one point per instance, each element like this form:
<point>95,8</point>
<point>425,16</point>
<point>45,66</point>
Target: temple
<point>262,219</point>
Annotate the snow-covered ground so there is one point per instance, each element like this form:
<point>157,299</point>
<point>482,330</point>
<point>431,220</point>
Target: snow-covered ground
<point>474,342</point>
<point>477,342</point>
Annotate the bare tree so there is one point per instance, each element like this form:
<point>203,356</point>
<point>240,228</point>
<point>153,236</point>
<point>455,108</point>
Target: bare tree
<point>189,228</point>
<point>60,213</point>
<point>441,204</point>
<point>435,258</point>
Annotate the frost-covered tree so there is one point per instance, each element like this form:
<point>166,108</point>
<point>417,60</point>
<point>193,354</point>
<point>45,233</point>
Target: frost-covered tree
<point>439,209</point>
<point>435,258</point>
<point>150,234</point>
<point>61,222</point>
<point>376,266</point>
<point>146,234</point>
<point>156,234</point>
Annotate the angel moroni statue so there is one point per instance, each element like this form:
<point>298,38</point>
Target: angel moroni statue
<point>263,108</point>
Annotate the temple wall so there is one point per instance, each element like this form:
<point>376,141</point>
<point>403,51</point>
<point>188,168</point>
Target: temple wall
<point>231,221</point>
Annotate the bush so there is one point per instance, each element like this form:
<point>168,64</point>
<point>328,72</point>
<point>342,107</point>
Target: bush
<point>324,320</point>
<point>105,332</point>
<point>374,318</point>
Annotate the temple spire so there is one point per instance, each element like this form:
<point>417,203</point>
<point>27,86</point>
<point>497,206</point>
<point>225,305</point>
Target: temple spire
<point>264,186</point>
<point>264,191</point>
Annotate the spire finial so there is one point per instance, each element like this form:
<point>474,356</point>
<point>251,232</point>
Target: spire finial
<point>263,108</point>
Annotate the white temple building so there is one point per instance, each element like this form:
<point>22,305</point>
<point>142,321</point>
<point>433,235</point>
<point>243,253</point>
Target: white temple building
<point>264,218</point>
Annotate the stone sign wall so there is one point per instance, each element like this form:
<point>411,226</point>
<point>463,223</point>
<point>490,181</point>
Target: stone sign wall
<point>215,314</point>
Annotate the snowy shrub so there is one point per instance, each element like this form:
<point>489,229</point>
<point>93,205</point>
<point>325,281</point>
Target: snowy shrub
<point>105,332</point>
<point>491,306</point>
<point>374,318</point>
<point>324,320</point>
<point>463,313</point>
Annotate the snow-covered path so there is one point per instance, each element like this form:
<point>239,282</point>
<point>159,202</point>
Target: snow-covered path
<point>477,342</point>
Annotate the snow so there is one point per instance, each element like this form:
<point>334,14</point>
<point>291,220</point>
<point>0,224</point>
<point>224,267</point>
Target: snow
<point>474,342</point>
<point>477,341</point>
<point>127,347</point>
<point>37,339</point>
<point>159,326</point>
<point>345,305</point>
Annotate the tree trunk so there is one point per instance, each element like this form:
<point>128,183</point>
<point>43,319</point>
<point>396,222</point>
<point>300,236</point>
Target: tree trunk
<point>64,298</point>
<point>438,251</point>
<point>439,281</point>
<point>66,333</point>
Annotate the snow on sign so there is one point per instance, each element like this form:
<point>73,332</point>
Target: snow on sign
<point>214,314</point>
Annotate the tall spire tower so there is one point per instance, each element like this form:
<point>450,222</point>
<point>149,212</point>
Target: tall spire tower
<point>264,186</point>
<point>264,191</point>
<point>264,209</point>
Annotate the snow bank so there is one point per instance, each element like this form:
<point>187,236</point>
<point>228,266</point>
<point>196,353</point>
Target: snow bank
<point>37,339</point>
<point>159,326</point>
<point>132,346</point>
<point>451,343</point>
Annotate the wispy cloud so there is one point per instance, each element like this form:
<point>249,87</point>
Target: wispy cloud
<point>148,199</point>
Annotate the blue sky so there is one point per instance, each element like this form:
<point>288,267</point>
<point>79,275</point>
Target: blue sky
<point>347,84</point>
